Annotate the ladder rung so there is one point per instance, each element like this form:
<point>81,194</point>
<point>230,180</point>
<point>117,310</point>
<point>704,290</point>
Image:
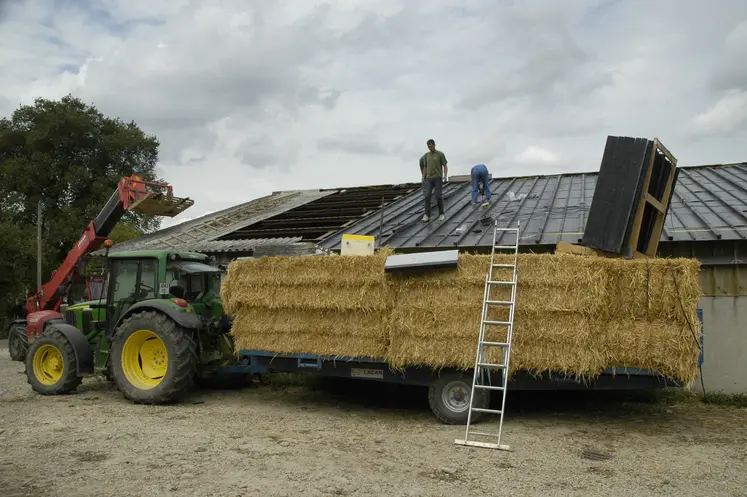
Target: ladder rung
<point>484,445</point>
<point>505,247</point>
<point>489,411</point>
<point>488,365</point>
<point>499,302</point>
<point>483,434</point>
<point>498,323</point>
<point>488,387</point>
<point>503,265</point>
<point>504,283</point>
<point>494,344</point>
<point>507,229</point>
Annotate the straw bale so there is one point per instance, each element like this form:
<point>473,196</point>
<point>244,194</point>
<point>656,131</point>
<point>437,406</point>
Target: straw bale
<point>309,282</point>
<point>310,270</point>
<point>559,342</point>
<point>310,324</point>
<point>645,289</point>
<point>360,334</point>
<point>529,299</point>
<point>452,321</point>
<point>546,283</point>
<point>316,297</point>
<point>331,345</point>
<point>667,347</point>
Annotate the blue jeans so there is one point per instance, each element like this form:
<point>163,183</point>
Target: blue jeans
<point>480,173</point>
<point>429,185</point>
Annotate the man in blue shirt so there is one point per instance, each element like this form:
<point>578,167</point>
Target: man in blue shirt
<point>480,183</point>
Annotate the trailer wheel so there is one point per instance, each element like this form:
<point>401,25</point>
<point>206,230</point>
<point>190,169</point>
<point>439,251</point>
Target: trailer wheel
<point>17,345</point>
<point>448,396</point>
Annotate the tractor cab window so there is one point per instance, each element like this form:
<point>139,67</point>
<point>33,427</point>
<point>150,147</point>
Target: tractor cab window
<point>96,287</point>
<point>130,281</point>
<point>196,285</point>
<point>217,281</point>
<point>148,278</point>
<point>188,280</point>
<point>134,279</point>
<point>124,276</point>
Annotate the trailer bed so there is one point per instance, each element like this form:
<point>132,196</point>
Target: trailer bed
<point>448,389</point>
<point>366,368</point>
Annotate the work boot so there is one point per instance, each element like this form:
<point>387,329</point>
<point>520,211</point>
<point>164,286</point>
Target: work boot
<point>441,217</point>
<point>425,218</point>
<point>486,203</point>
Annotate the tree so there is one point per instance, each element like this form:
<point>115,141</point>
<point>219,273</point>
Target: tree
<point>124,232</point>
<point>68,156</point>
<point>17,247</point>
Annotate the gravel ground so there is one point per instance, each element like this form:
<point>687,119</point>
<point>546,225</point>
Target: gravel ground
<point>358,439</point>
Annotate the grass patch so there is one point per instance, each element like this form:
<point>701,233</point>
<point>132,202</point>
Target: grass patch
<point>671,396</point>
<point>288,380</point>
<point>726,399</point>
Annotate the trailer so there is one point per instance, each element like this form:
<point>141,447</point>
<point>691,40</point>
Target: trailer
<point>448,390</point>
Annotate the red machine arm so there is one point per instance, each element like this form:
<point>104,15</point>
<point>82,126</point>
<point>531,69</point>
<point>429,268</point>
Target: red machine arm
<point>132,194</point>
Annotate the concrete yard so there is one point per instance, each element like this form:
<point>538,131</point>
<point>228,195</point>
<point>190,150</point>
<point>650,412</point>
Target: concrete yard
<point>344,439</point>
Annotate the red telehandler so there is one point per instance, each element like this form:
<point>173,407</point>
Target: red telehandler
<point>42,309</point>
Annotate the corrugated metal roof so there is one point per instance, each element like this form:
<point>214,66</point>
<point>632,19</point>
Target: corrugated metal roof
<point>215,246</point>
<point>709,203</point>
<point>206,229</point>
<point>316,220</point>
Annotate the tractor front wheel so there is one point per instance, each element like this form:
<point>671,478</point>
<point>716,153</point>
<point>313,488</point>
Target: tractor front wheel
<point>51,365</point>
<point>17,345</point>
<point>153,359</point>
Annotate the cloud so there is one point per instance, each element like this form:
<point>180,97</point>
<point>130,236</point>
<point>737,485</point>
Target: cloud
<point>248,96</point>
<point>534,155</point>
<point>359,144</point>
<point>730,73</point>
<point>727,115</point>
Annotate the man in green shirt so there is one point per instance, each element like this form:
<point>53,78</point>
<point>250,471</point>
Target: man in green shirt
<point>434,169</point>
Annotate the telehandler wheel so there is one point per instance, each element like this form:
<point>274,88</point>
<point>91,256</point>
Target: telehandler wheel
<point>51,365</point>
<point>17,346</point>
<point>154,360</point>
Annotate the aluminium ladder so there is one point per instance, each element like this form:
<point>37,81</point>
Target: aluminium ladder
<point>481,365</point>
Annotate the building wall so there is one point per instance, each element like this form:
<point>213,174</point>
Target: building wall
<point>724,344</point>
<point>724,308</point>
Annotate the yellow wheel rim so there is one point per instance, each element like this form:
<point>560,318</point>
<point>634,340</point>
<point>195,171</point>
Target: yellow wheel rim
<point>144,359</point>
<point>48,365</point>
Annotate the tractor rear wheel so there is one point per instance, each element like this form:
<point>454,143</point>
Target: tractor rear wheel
<point>153,359</point>
<point>51,365</point>
<point>17,345</point>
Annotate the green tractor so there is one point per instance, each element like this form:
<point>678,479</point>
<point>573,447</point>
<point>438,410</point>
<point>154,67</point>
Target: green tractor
<point>159,328</point>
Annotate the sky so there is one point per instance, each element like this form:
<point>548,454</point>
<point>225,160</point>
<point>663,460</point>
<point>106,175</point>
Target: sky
<point>248,97</point>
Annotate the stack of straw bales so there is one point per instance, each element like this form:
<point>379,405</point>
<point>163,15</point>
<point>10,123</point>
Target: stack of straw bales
<point>310,304</point>
<point>575,315</point>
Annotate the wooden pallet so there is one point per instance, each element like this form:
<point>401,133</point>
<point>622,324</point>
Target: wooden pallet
<point>631,200</point>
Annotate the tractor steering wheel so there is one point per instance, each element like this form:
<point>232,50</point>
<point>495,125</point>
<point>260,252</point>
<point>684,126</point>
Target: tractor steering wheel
<point>145,290</point>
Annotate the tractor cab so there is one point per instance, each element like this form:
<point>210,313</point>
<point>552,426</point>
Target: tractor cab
<point>179,281</point>
<point>193,281</point>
